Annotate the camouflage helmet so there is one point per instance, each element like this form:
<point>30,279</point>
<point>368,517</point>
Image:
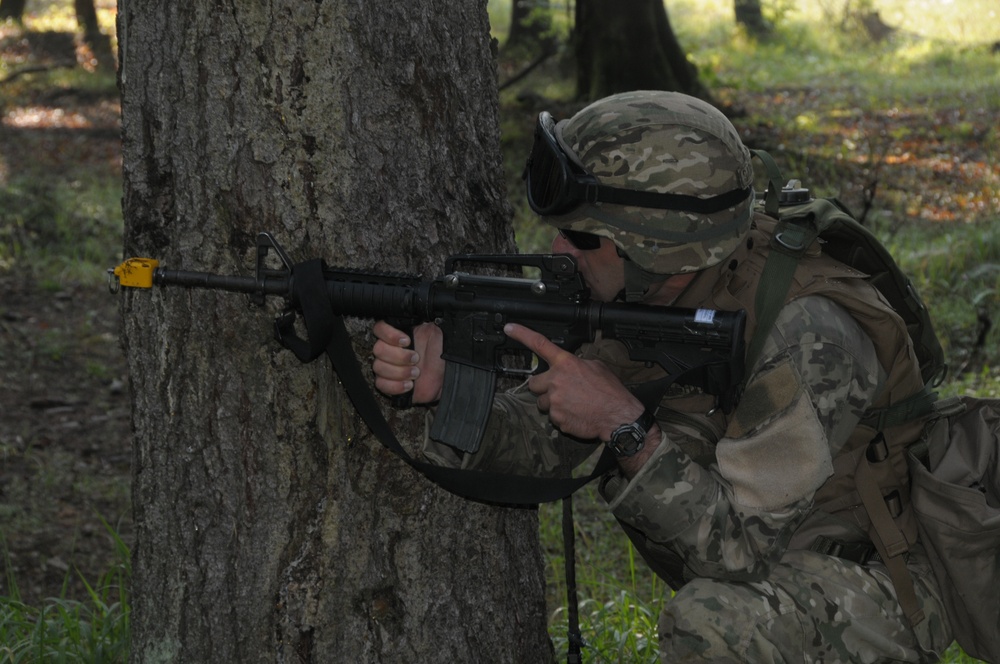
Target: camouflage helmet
<point>663,142</point>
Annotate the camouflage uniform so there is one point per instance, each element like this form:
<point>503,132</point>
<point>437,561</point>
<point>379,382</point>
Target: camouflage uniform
<point>728,508</point>
<point>714,515</point>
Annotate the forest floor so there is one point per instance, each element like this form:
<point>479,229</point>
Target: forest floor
<point>65,441</point>
<point>64,437</point>
<point>65,444</point>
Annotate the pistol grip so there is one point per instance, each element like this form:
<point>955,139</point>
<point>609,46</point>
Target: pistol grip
<point>466,402</point>
<point>404,400</point>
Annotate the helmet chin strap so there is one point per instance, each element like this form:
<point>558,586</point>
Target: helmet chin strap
<point>637,281</point>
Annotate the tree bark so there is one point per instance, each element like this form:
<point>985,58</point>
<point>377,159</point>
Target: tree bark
<point>630,46</point>
<point>270,525</point>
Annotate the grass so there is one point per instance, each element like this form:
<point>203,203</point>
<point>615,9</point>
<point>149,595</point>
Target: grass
<point>60,199</point>
<point>67,631</point>
<point>619,598</point>
<point>61,231</point>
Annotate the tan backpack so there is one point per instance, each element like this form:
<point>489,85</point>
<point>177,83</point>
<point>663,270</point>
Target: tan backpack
<point>954,466</point>
<point>955,492</point>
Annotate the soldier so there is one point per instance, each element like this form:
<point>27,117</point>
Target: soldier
<point>753,516</point>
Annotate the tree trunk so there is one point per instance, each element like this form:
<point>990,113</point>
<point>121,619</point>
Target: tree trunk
<point>12,9</point>
<point>618,50</point>
<point>530,34</point>
<point>95,40</point>
<point>749,14</point>
<point>270,525</point>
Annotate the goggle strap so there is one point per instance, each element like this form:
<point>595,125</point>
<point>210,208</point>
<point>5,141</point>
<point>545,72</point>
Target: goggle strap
<point>661,201</point>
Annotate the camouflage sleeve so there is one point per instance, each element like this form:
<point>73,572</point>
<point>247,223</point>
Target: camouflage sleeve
<point>519,440</point>
<point>733,518</point>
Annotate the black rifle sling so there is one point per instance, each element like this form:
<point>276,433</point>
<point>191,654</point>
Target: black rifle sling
<point>326,331</point>
<point>309,290</point>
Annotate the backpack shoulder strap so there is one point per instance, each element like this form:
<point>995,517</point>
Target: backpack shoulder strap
<point>788,244</point>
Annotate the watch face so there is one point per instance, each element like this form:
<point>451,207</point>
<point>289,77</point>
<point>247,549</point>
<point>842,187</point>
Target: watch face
<point>627,440</point>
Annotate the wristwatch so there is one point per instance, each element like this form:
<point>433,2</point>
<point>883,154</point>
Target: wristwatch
<point>628,439</point>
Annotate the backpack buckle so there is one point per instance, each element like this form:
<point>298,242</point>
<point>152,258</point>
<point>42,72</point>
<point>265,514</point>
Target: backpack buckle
<point>792,238</point>
<point>790,244</point>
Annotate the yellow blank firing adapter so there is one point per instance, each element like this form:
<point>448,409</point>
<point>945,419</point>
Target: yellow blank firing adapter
<point>133,273</point>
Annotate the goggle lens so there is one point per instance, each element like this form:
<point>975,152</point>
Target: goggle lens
<point>552,187</point>
<point>581,240</point>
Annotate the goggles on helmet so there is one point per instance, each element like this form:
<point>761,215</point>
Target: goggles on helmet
<point>557,184</point>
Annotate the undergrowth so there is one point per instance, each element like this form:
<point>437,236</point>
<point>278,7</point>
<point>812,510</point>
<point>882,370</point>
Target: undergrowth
<point>66,631</point>
<point>60,231</point>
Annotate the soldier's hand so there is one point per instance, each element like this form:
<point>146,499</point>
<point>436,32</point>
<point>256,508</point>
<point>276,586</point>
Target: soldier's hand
<point>583,398</point>
<point>399,368</point>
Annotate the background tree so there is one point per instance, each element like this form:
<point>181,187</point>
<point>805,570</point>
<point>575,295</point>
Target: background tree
<point>631,46</point>
<point>749,14</point>
<point>85,11</point>
<point>12,9</point>
<point>270,526</point>
<point>530,33</point>
<point>95,40</point>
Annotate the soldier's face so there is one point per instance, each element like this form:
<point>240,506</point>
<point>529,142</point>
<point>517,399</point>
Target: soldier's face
<point>601,268</point>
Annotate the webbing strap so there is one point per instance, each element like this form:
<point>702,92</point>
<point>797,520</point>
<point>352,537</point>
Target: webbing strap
<point>788,244</point>
<point>917,405</point>
<point>888,539</point>
<point>474,484</point>
<point>309,290</point>
<point>573,635</point>
<point>512,490</point>
<point>777,275</point>
<point>663,201</point>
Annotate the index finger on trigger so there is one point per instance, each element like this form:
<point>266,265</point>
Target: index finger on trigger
<point>535,342</point>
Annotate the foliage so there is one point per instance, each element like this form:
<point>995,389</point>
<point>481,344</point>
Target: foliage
<point>68,631</point>
<point>60,195</point>
<point>619,597</point>
<point>60,230</point>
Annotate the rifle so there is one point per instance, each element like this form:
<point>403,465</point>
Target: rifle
<point>699,347</point>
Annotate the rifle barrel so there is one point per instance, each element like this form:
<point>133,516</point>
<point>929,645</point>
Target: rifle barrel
<point>268,285</point>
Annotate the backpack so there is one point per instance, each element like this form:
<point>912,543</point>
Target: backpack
<point>955,493</point>
<point>801,220</point>
<point>954,466</point>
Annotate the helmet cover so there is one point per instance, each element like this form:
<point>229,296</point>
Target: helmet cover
<point>665,142</point>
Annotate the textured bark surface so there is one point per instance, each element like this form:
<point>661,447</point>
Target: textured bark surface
<point>270,525</point>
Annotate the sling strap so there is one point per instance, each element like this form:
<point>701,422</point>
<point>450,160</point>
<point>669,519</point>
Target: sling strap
<point>326,333</point>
